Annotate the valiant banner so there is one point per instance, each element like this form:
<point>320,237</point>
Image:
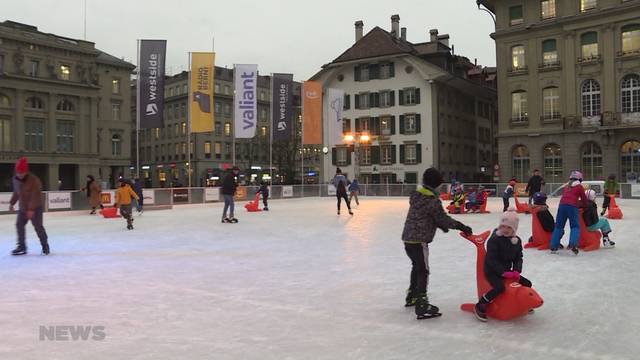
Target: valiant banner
<point>245,100</point>
<point>151,60</point>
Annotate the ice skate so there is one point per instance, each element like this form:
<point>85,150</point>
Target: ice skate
<point>350,212</point>
<point>480,310</point>
<point>19,251</point>
<point>338,212</point>
<point>424,310</point>
<point>411,299</point>
<point>45,249</point>
<point>233,220</point>
<point>226,220</point>
<point>93,212</point>
<point>554,251</point>
<point>607,243</point>
<point>265,208</point>
<point>575,250</point>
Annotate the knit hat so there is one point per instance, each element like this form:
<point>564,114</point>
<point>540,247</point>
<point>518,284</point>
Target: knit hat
<point>431,178</point>
<point>510,218</point>
<point>22,166</point>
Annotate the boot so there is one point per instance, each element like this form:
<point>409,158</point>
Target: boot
<point>481,309</point>
<point>411,299</point>
<point>424,310</point>
<point>45,249</point>
<point>20,250</point>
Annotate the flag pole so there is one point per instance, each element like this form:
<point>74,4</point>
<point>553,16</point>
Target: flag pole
<point>271,135</point>
<point>137,114</point>
<point>189,122</point>
<point>302,136</point>
<point>233,128</point>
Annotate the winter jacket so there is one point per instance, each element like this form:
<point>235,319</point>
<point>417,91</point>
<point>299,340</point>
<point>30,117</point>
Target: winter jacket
<point>545,218</point>
<point>355,186</point>
<point>458,199</point>
<point>28,192</point>
<point>229,184</point>
<point>534,185</point>
<point>573,195</point>
<point>502,255</point>
<point>425,216</point>
<point>590,214</point>
<point>610,187</point>
<point>508,192</point>
<point>124,195</point>
<point>93,193</point>
<point>264,190</point>
<point>340,179</point>
<point>137,187</point>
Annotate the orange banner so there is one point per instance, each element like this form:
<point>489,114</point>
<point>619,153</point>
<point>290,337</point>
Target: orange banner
<point>312,113</point>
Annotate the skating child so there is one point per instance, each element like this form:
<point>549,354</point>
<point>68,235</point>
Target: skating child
<point>503,261</point>
<point>610,189</point>
<point>471,200</point>
<point>593,223</point>
<point>264,190</point>
<point>458,199</point>
<point>508,194</point>
<point>354,190</point>
<point>124,194</point>
<point>573,197</point>
<point>424,217</point>
<point>543,214</point>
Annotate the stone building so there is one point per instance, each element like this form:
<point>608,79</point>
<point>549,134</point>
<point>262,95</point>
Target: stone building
<point>569,87</point>
<point>63,104</point>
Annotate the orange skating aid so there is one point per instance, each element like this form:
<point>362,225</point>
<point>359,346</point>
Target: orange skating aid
<point>252,206</point>
<point>589,240</point>
<point>540,237</point>
<point>110,212</point>
<point>614,211</point>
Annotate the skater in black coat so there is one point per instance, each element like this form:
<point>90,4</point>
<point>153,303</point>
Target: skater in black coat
<point>229,186</point>
<point>264,190</point>
<point>534,185</point>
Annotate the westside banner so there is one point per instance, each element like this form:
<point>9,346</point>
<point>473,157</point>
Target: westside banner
<point>151,60</point>
<point>282,105</point>
<point>245,100</point>
<point>334,102</point>
<point>201,92</point>
<point>311,113</point>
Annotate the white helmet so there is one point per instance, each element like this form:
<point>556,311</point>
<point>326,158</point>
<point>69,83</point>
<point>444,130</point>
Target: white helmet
<point>591,194</point>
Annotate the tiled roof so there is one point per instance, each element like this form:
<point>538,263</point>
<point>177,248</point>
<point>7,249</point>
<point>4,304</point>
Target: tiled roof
<point>377,42</point>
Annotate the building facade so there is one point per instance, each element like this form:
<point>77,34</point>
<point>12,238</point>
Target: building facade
<point>163,151</point>
<point>63,105</point>
<point>569,87</point>
<point>409,106</point>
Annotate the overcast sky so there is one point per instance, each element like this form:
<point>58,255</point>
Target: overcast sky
<point>296,36</point>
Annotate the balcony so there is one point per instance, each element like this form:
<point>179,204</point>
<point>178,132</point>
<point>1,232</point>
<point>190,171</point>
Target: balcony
<point>551,118</point>
<point>630,118</point>
<point>521,121</point>
<point>635,53</point>
<point>592,121</point>
<point>520,70</point>
<point>550,66</point>
<point>592,59</point>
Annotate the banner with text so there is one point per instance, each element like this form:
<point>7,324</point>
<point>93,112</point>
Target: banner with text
<point>59,200</point>
<point>282,105</point>
<point>334,102</point>
<point>245,100</point>
<point>311,113</point>
<point>201,92</point>
<point>151,60</point>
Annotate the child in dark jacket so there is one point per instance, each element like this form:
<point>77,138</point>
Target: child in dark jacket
<point>593,223</point>
<point>508,194</point>
<point>425,216</point>
<point>264,190</point>
<point>503,261</point>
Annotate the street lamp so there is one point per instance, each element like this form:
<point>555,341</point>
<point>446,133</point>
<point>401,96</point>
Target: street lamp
<point>357,140</point>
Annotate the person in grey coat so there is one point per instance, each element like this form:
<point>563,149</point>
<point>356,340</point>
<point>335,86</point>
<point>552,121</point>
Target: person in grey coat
<point>341,183</point>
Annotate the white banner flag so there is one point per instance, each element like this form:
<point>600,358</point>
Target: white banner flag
<point>334,104</point>
<point>245,101</point>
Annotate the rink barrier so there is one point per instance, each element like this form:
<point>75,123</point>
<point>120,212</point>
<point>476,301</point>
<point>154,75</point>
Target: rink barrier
<point>165,198</point>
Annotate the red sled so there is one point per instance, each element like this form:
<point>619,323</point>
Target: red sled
<point>540,238</point>
<point>521,208</point>
<point>252,206</point>
<point>110,212</point>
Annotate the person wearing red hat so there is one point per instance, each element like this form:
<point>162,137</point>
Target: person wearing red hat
<point>27,192</point>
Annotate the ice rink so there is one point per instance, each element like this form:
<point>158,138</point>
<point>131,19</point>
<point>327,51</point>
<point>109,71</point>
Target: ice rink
<point>300,282</point>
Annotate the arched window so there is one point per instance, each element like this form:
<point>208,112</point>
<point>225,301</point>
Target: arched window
<point>591,99</point>
<point>4,101</point>
<point>65,105</point>
<point>519,106</point>
<point>34,103</point>
<point>520,156</point>
<point>630,94</point>
<point>551,103</point>
<point>518,58</point>
<point>589,45</point>
<point>631,38</point>
<point>552,156</point>
<point>591,161</point>
<point>629,158</point>
<point>116,145</point>
<point>549,52</point>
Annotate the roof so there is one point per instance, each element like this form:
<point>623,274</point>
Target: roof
<point>104,58</point>
<point>377,42</point>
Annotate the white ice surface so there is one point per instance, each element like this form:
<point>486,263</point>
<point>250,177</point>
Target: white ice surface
<point>300,282</point>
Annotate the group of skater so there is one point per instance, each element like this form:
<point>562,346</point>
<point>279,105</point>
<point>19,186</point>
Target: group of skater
<point>345,190</point>
<point>472,200</point>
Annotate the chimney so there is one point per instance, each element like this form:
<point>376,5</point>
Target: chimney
<point>403,33</point>
<point>433,35</point>
<point>395,25</point>
<point>359,29</point>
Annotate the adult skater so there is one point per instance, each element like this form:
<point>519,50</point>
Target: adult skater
<point>534,185</point>
<point>424,217</point>
<point>229,186</point>
<point>93,193</point>
<point>341,183</point>
<point>354,190</point>
<point>27,191</point>
<point>137,188</point>
<point>573,197</point>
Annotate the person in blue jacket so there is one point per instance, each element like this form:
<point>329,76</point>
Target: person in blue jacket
<point>354,190</point>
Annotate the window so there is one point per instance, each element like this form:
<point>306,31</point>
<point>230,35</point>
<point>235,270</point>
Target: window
<point>410,124</point>
<point>589,45</point>
<point>115,86</point>
<point>386,71</point>
<point>520,157</point>
<point>185,88</point>
<point>385,125</point>
<point>34,103</point>
<point>590,99</point>
<point>217,107</point>
<point>549,52</point>
<point>116,145</point>
<point>631,38</point>
<point>552,163</point>
<point>216,88</point>
<point>515,15</point>
<point>517,58</point>
<point>1,62</point>
<point>551,103</point>
<point>34,134</point>
<point>591,161</point>
<point>183,110</point>
<point>65,72</point>
<point>386,98</point>
<point>386,155</point>
<point>177,150</point>
<point>183,128</point>
<point>227,129</point>
<point>631,94</point>
<point>364,72</point>
<point>191,148</point>
<point>218,128</point>
<point>365,153</point>
<point>263,131</point>
<point>33,68</point>
<point>227,90</point>
<point>410,97</point>
<point>363,101</point>
<point>157,133</point>
<point>170,92</point>
<point>64,136</point>
<point>4,101</point>
<point>184,149</point>
<point>65,105</point>
<point>5,134</point>
<point>410,156</point>
<point>227,109</point>
<point>218,150</point>
<point>115,110</point>
<point>207,149</point>
<point>586,5</point>
<point>547,9</point>
<point>629,158</point>
<point>341,156</point>
<point>519,106</point>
